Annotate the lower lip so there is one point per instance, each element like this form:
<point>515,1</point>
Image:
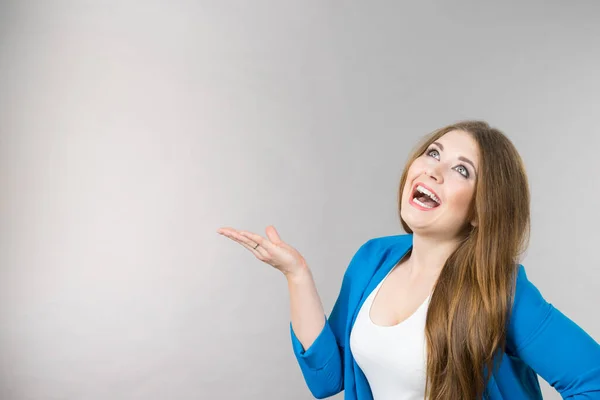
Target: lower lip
<point>412,203</point>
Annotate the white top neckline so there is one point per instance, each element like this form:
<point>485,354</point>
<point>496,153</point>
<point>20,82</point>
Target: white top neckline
<point>393,358</point>
<point>405,321</point>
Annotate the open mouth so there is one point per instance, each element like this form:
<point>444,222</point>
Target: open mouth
<point>425,197</point>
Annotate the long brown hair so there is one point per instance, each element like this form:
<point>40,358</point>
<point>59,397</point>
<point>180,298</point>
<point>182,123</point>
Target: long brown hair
<point>471,303</point>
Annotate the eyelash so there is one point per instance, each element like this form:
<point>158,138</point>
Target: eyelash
<point>465,175</point>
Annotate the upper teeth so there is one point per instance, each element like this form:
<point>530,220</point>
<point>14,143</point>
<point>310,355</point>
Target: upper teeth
<point>428,193</point>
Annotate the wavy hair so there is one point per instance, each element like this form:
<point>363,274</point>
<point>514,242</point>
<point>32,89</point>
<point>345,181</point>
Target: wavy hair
<point>471,303</point>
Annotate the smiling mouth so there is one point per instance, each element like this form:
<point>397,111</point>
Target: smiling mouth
<point>424,198</point>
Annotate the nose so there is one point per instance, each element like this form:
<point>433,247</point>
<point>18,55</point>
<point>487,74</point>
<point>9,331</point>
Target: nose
<point>432,170</point>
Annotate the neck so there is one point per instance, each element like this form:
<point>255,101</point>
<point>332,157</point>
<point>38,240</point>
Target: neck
<point>429,254</point>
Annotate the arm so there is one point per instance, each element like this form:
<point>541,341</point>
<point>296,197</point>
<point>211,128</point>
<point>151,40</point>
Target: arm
<point>305,308</point>
<point>321,358</point>
<point>554,346</point>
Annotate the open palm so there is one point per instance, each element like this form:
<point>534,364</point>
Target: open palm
<point>270,250</point>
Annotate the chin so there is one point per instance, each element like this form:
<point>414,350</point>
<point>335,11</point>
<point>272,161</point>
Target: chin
<point>416,226</point>
<point>420,227</point>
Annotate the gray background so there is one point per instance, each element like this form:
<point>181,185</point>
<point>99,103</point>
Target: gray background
<point>131,131</point>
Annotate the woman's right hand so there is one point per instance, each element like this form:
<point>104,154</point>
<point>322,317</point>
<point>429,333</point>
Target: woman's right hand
<point>271,250</point>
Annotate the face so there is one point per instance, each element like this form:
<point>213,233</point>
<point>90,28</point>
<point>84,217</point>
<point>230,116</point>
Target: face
<point>446,171</point>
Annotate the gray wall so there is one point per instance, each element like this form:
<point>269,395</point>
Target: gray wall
<point>131,131</point>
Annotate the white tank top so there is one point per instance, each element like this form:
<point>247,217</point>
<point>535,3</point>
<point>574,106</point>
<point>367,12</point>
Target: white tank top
<point>393,358</point>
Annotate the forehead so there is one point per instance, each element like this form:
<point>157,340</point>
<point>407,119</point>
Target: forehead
<point>460,143</point>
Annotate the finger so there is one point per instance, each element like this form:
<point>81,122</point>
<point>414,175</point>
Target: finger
<point>262,242</point>
<point>246,242</point>
<point>226,229</point>
<point>264,246</point>
<point>258,251</point>
<point>249,243</point>
<point>272,234</point>
<point>229,232</point>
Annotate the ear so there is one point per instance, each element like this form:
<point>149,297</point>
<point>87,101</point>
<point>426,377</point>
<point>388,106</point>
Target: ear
<point>474,222</point>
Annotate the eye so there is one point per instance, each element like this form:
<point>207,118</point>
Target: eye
<point>433,150</point>
<point>464,172</point>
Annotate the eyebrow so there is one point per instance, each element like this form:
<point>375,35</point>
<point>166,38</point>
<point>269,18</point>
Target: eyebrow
<point>465,159</point>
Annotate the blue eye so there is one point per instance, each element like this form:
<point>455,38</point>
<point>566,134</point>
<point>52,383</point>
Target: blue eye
<point>429,151</point>
<point>466,171</point>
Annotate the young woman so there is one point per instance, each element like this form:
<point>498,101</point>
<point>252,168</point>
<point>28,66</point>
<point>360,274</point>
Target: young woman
<point>431,313</point>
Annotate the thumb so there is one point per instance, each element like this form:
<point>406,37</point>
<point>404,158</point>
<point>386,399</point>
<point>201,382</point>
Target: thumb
<point>273,235</point>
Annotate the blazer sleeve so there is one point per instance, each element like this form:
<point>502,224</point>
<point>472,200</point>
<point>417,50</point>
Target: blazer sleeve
<point>322,364</point>
<point>556,348</point>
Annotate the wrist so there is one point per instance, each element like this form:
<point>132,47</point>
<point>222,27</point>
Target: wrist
<point>301,276</point>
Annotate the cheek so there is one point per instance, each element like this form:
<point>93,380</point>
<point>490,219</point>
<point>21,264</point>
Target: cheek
<point>413,173</point>
<point>418,164</point>
<point>416,169</point>
<point>461,198</point>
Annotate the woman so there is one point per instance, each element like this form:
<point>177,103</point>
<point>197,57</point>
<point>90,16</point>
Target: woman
<point>428,314</point>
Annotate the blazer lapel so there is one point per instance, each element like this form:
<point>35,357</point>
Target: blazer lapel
<point>386,262</point>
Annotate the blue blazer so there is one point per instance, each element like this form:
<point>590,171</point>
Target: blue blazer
<point>540,339</point>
